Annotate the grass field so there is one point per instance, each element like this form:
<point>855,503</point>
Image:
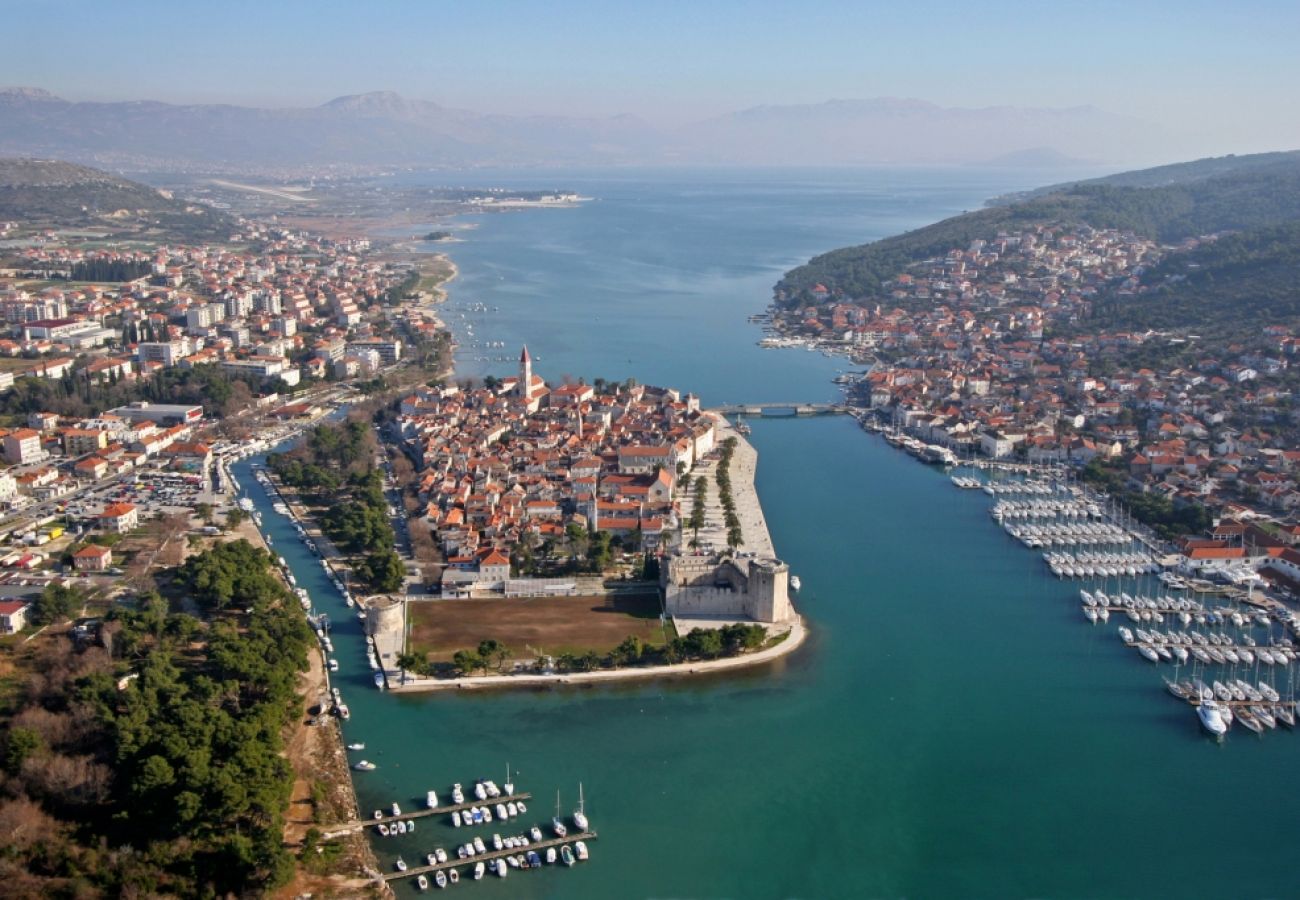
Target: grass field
<point>535,625</point>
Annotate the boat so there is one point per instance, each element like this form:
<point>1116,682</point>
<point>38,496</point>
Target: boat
<point>397,810</point>
<point>557,824</point>
<point>566,855</point>
<point>431,859</point>
<point>522,808</point>
<point>400,826</point>
<point>500,865</point>
<point>1210,714</point>
<point>457,795</point>
<point>453,876</point>
<point>364,765</point>
<point>501,812</point>
<point>382,829</point>
<point>1149,653</point>
<point>580,848</point>
<point>410,826</point>
<point>379,680</point>
<point>479,845</point>
<point>478,870</point>
<point>580,814</point>
<point>508,786</point>
<point>534,861</point>
<point>476,815</point>
<point>795,583</point>
<point>423,882</point>
<point>401,864</point>
<point>1245,717</point>
<point>431,800</point>
<point>441,855</point>
<point>536,833</point>
<point>440,878</point>
<point>511,809</point>
<point>455,818</point>
<point>356,746</point>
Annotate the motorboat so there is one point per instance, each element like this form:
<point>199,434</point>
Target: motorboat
<point>479,868</point>
<point>566,855</point>
<point>534,861</point>
<point>364,765</point>
<point>397,810</point>
<point>453,876</point>
<point>440,878</point>
<point>501,812</point>
<point>455,818</point>
<point>382,829</point>
<point>551,855</point>
<point>536,833</point>
<point>479,845</point>
<point>501,867</point>
<point>423,882</point>
<point>401,864</point>
<point>1210,714</point>
<point>356,746</point>
<point>580,848</point>
<point>511,809</point>
<point>440,854</point>
<point>457,795</point>
<point>431,800</point>
<point>497,843</point>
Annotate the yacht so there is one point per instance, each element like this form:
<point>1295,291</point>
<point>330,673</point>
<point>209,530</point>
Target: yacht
<point>479,845</point>
<point>453,876</point>
<point>397,810</point>
<point>423,882</point>
<point>501,812</point>
<point>479,868</point>
<point>566,855</point>
<point>1210,714</point>
<point>457,795</point>
<point>551,856</point>
<point>795,583</point>
<point>364,765</point>
<point>441,855</point>
<point>439,878</point>
<point>431,800</point>
<point>580,848</point>
<point>455,818</point>
<point>401,864</point>
<point>557,824</point>
<point>580,814</point>
<point>501,867</point>
<point>356,746</point>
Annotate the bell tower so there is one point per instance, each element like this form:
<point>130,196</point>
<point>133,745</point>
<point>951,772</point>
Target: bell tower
<point>525,373</point>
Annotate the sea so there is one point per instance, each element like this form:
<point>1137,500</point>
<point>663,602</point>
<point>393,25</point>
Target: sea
<point>952,728</point>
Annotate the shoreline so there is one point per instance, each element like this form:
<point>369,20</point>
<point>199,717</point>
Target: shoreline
<point>795,637</point>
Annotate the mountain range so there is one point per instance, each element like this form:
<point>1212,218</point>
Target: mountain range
<point>386,129</point>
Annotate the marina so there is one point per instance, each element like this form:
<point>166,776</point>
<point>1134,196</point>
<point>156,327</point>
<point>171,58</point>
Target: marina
<point>384,819</point>
<point>493,856</point>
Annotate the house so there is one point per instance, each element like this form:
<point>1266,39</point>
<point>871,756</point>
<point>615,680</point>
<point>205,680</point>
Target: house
<point>92,558</point>
<point>13,615</point>
<point>119,517</point>
<point>23,445</point>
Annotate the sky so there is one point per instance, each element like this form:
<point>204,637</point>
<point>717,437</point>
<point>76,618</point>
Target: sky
<point>1218,70</point>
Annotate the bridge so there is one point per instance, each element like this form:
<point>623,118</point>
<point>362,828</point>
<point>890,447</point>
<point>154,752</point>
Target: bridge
<point>755,410</point>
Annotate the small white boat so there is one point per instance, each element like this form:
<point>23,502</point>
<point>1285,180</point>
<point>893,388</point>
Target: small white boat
<point>457,795</point>
<point>795,583</point>
<point>551,855</point>
<point>501,812</point>
<point>356,746</point>
<point>522,808</point>
<point>536,833</point>
<point>364,765</point>
<point>441,855</point>
<point>479,845</point>
<point>501,868</point>
<point>566,855</point>
<point>397,810</point>
<point>440,878</point>
<point>511,809</point>
<point>379,680</point>
<point>453,876</point>
<point>455,818</point>
<point>479,868</point>
<point>382,829</point>
<point>497,843</point>
<point>401,864</point>
<point>401,827</point>
<point>580,848</point>
<point>431,800</point>
<point>423,882</point>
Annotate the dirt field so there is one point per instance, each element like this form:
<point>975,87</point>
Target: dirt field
<point>550,625</point>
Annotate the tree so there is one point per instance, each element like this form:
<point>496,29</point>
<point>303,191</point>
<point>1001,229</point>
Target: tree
<point>628,652</point>
<point>235,517</point>
<point>21,744</point>
<point>56,603</point>
<point>466,662</point>
<point>204,512</point>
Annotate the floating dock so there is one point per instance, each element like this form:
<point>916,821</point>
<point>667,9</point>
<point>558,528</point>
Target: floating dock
<point>343,828</point>
<point>413,871</point>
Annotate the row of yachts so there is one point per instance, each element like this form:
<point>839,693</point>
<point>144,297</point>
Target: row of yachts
<point>1067,507</point>
<point>1100,564</point>
<point>1212,648</point>
<point>1221,704</point>
<point>500,866</point>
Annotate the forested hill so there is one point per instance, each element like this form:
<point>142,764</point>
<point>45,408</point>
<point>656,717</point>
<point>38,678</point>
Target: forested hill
<point>59,194</point>
<point>1238,282</point>
<point>1247,195</point>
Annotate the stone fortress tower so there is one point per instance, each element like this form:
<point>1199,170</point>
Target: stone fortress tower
<point>714,587</point>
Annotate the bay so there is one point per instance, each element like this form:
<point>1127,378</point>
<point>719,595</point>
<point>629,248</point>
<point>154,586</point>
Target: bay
<point>953,728</point>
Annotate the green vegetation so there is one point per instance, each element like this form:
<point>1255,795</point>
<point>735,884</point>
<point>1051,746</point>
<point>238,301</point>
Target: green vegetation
<point>437,236</point>
<point>76,396</point>
<point>735,537</point>
<point>334,467</point>
<point>169,781</point>
<point>57,603</point>
<point>1166,518</point>
<point>1239,198</point>
<point>1233,285</point>
<point>119,270</point>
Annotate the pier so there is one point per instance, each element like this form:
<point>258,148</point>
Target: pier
<point>414,871</point>
<point>334,831</point>
<point>754,410</point>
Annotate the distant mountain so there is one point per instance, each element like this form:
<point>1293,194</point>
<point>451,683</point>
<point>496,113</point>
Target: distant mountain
<point>385,129</point>
<point>889,130</point>
<point>1243,194</point>
<point>48,192</point>
<point>1035,158</point>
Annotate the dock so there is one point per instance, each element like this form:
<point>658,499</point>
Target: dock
<point>334,831</point>
<point>413,871</point>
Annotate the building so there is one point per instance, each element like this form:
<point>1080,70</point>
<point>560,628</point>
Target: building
<point>22,446</point>
<point>13,615</point>
<point>119,518</point>
<point>162,413</point>
<point>166,352</point>
<point>92,558</point>
<point>727,588</point>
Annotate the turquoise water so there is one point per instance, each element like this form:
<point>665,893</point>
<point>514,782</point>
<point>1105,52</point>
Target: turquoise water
<point>953,727</point>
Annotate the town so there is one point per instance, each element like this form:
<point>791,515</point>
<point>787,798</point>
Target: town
<point>988,351</point>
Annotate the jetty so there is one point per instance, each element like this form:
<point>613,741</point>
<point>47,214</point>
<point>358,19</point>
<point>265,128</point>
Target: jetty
<point>784,409</point>
<point>414,871</point>
<point>335,831</point>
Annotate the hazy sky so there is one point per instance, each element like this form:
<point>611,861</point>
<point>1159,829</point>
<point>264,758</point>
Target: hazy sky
<point>1230,69</point>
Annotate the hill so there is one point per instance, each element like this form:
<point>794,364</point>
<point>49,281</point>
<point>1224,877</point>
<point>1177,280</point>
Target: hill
<point>382,129</point>
<point>49,192</point>
<point>1237,283</point>
<point>1243,194</point>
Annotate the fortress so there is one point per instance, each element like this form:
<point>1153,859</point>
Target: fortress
<point>727,587</point>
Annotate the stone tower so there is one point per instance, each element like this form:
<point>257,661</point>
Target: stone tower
<point>525,373</point>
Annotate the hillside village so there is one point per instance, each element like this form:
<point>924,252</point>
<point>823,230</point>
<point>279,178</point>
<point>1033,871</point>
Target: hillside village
<point>993,349</point>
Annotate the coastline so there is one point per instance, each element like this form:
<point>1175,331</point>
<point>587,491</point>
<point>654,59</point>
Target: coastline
<point>795,637</point>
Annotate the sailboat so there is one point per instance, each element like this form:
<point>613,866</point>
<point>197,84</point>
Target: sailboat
<point>580,814</point>
<point>557,824</point>
<point>509,786</point>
